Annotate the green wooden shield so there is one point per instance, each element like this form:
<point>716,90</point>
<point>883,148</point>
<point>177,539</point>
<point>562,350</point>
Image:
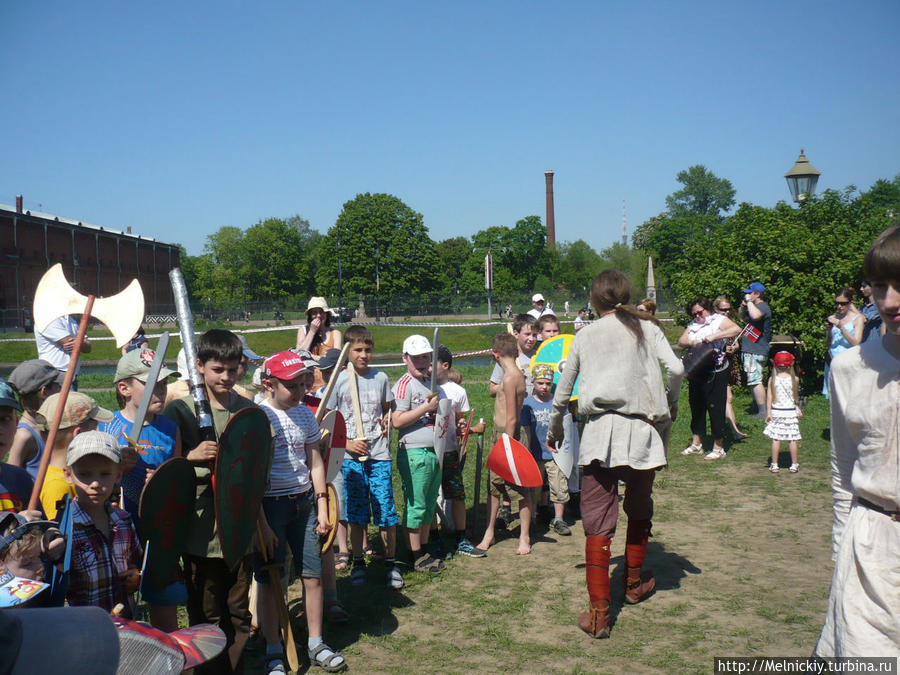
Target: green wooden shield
<point>164,511</point>
<point>242,472</point>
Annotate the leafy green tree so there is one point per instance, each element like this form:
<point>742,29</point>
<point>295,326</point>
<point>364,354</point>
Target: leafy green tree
<point>573,265</point>
<point>453,255</point>
<point>377,234</point>
<point>703,194</point>
<point>629,261</point>
<point>802,256</point>
<point>884,194</point>
<point>665,237</point>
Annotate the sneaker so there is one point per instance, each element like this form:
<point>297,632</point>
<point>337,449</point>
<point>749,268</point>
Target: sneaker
<point>559,526</point>
<point>275,665</point>
<point>467,548</point>
<point>436,549</point>
<point>773,467</point>
<point>394,579</point>
<point>692,450</point>
<point>715,453</point>
<point>794,468</point>
<point>358,575</point>
<point>427,563</point>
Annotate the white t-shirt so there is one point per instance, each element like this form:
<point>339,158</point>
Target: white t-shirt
<point>294,428</point>
<point>48,342</point>
<point>459,402</point>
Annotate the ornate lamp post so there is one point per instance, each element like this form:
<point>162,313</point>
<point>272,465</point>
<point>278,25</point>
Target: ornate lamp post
<point>802,179</point>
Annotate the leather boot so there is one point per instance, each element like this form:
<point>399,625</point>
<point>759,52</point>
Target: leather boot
<point>637,587</point>
<point>595,622</point>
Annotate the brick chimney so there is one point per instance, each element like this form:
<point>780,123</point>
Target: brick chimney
<point>18,203</point>
<point>551,223</point>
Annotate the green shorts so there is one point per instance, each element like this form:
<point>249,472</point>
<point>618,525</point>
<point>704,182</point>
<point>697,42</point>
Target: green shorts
<point>420,475</point>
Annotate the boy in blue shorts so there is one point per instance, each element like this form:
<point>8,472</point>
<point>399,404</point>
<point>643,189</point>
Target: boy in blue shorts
<point>420,472</point>
<point>159,440</point>
<point>367,463</point>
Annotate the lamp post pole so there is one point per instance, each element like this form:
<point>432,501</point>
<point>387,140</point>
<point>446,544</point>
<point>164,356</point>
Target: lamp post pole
<point>340,282</point>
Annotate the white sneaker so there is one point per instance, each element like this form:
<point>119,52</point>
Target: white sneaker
<point>715,453</point>
<point>773,467</point>
<point>794,467</point>
<point>692,450</point>
<point>394,578</point>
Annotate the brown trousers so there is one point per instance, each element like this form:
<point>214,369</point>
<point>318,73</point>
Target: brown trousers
<point>219,596</point>
<point>600,497</point>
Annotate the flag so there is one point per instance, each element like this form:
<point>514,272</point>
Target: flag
<point>751,333</point>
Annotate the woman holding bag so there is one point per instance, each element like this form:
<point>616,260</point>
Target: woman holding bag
<point>708,389</point>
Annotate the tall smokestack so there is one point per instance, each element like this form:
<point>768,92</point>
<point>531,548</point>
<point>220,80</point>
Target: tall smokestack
<point>18,203</point>
<point>551,222</point>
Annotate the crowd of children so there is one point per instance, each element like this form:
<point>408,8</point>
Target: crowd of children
<point>92,456</point>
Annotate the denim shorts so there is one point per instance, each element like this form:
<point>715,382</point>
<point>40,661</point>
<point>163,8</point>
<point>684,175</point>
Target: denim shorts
<point>369,491</point>
<point>293,518</point>
<point>753,366</point>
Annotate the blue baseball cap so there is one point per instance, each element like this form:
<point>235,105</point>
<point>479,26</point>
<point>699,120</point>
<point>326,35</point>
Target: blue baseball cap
<point>8,397</point>
<point>755,287</point>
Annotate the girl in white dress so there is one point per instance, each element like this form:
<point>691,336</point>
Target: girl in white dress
<point>783,411</point>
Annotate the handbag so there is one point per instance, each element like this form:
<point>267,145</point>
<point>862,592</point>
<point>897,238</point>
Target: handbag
<point>698,360</point>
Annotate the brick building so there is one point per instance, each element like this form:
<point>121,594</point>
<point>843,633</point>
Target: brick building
<point>96,260</point>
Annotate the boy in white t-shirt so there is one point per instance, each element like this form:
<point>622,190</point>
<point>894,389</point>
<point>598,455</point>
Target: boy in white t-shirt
<point>295,506</point>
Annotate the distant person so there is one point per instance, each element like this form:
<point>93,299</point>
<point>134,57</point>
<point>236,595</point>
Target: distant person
<point>318,335</point>
<point>647,305</point>
<point>756,353</point>
<point>872,327</point>
<point>722,305</point>
<point>863,615</point>
<point>581,319</point>
<point>539,306</point>
<point>843,330</point>
<point>566,308</point>
<point>56,342</point>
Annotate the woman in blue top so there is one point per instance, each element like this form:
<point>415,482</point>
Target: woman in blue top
<point>844,329</point>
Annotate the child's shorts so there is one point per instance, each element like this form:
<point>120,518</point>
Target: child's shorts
<point>420,475</point>
<point>368,489</point>
<point>173,594</point>
<point>556,480</point>
<point>451,477</point>
<point>293,518</point>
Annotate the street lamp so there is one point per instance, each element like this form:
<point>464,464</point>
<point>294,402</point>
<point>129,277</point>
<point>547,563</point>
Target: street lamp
<point>802,179</point>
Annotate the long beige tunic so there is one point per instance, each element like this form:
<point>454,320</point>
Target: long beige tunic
<point>621,388</point>
<point>863,616</point>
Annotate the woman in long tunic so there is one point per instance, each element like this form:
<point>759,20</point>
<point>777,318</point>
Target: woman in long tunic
<point>628,414</point>
<point>863,616</point>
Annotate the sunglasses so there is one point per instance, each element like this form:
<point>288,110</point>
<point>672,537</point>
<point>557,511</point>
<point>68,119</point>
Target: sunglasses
<point>699,312</point>
<point>723,309</point>
<point>838,302</point>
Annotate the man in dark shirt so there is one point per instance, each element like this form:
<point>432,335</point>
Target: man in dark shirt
<point>758,314</point>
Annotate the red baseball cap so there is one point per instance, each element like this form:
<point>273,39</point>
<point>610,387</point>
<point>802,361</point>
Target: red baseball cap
<point>784,360</point>
<point>286,365</point>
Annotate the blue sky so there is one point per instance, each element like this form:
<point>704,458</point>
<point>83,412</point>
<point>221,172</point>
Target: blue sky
<point>179,118</point>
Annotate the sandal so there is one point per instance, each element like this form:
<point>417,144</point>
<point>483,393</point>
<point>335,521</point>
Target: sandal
<point>692,450</point>
<point>341,561</point>
<point>333,662</point>
<point>715,453</point>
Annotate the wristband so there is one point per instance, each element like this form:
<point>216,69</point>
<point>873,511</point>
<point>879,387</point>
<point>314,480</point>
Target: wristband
<point>321,495</point>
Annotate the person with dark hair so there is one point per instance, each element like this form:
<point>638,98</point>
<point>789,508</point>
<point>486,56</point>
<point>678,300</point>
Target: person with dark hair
<point>863,616</point>
<point>647,305</point>
<point>318,335</point>
<point>708,390</point>
<point>755,347</point>
<point>872,327</point>
<point>722,305</point>
<point>844,329</point>
<point>628,412</point>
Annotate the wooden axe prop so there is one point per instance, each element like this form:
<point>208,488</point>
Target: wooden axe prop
<point>121,313</point>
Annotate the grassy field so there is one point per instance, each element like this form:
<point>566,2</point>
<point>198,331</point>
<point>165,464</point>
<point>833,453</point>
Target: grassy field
<point>741,556</point>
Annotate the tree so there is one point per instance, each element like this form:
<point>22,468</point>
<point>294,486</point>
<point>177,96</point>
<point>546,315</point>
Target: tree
<point>453,254</point>
<point>665,237</point>
<point>378,235</point>
<point>885,194</point>
<point>703,194</point>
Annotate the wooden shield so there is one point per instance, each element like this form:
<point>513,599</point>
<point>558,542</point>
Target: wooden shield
<point>554,352</point>
<point>512,461</point>
<point>164,512</point>
<point>444,429</point>
<point>242,471</point>
<point>567,454</point>
<point>334,456</point>
<point>328,539</point>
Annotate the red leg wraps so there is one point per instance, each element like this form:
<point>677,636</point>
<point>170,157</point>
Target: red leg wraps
<point>636,542</point>
<point>595,622</point>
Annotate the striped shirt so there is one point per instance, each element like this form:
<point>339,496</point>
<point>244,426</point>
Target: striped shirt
<point>409,394</point>
<point>294,429</point>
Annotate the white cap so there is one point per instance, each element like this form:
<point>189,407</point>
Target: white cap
<point>537,297</point>
<point>416,345</point>
<point>93,443</point>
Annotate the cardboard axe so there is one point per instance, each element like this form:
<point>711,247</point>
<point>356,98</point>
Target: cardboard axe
<point>122,313</point>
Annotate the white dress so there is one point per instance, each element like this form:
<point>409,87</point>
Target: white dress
<point>863,616</point>
<point>784,425</point>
